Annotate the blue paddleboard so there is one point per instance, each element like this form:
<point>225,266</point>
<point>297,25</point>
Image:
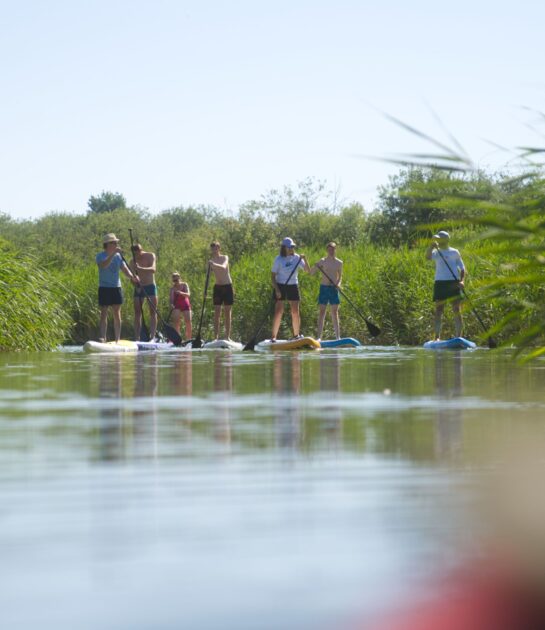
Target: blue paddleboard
<point>456,343</point>
<point>345,342</point>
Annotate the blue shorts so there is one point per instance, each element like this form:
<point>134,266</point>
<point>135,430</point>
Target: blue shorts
<point>149,290</point>
<point>328,295</point>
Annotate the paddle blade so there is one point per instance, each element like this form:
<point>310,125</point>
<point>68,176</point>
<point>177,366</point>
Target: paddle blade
<point>492,343</point>
<point>172,334</point>
<point>250,345</point>
<point>197,343</point>
<point>374,331</point>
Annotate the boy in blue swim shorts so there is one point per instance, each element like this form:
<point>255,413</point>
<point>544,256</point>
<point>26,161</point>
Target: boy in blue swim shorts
<point>330,269</point>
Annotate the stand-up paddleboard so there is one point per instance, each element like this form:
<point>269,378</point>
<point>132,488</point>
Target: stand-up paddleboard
<point>123,345</point>
<point>292,344</point>
<point>223,344</point>
<point>344,342</point>
<point>456,343</point>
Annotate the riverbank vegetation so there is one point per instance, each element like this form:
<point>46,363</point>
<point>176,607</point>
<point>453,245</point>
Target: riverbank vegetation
<point>497,221</point>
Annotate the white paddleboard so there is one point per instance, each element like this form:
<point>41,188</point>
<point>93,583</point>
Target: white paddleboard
<point>124,345</point>
<point>223,344</point>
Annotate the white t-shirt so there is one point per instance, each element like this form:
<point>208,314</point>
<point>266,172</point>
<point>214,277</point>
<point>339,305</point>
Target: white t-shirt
<point>454,261</point>
<point>283,266</point>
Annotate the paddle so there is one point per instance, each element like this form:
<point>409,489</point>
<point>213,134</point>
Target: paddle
<point>197,342</point>
<point>251,344</point>
<point>374,330</point>
<point>491,342</point>
<point>144,332</point>
<point>169,331</point>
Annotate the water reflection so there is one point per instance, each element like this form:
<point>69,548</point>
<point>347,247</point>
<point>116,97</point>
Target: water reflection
<point>223,387</point>
<point>287,385</point>
<point>110,380</point>
<point>449,420</point>
<point>330,383</point>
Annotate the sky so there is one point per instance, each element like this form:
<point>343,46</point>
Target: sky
<point>177,103</point>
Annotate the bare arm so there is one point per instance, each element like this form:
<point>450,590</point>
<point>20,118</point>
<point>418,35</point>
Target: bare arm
<point>315,267</point>
<point>222,265</point>
<point>429,251</point>
<point>305,263</point>
<point>340,275</point>
<point>152,267</point>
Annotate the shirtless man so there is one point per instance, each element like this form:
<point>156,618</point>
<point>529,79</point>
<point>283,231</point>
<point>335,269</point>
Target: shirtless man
<point>223,290</point>
<point>143,265</point>
<point>329,293</point>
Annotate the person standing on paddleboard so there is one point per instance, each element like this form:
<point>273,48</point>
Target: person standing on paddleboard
<point>144,266</point>
<point>110,293</point>
<point>223,295</point>
<point>286,286</point>
<point>180,304</point>
<point>449,281</point>
<point>329,291</point>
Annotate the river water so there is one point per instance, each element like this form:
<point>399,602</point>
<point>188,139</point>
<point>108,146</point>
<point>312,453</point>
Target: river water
<point>241,490</point>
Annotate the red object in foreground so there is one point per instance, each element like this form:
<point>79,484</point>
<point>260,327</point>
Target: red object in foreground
<point>473,602</point>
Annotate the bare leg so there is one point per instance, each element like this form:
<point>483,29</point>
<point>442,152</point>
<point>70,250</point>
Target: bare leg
<point>335,319</point>
<point>321,319</point>
<point>116,310</point>
<point>188,327</point>
<point>227,320</point>
<point>176,317</point>
<point>439,308</point>
<point>277,317</point>
<point>103,326</point>
<point>152,317</point>
<point>137,318</point>
<point>458,322</point>
<point>295,318</point>
<point>217,320</point>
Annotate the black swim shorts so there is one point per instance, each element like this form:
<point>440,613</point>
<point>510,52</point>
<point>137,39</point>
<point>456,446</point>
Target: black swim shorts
<point>223,294</point>
<point>108,296</point>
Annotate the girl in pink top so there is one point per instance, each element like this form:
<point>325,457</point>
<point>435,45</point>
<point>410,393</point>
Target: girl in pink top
<point>179,301</point>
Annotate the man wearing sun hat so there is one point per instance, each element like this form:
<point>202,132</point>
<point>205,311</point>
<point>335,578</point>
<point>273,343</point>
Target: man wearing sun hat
<point>449,280</point>
<point>110,293</point>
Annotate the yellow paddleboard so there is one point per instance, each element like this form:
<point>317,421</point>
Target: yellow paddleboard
<point>305,343</point>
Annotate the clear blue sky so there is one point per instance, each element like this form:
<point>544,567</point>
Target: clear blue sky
<point>175,103</point>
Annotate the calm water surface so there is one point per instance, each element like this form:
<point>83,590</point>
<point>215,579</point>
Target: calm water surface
<point>243,490</point>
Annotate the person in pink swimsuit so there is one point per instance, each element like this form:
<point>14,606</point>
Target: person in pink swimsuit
<point>181,306</point>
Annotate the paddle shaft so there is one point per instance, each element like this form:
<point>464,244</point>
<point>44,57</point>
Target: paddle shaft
<point>171,332</point>
<point>373,329</point>
<point>491,342</point>
<point>250,345</point>
<point>140,298</point>
<point>198,337</point>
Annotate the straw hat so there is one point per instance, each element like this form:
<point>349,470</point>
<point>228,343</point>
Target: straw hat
<point>110,238</point>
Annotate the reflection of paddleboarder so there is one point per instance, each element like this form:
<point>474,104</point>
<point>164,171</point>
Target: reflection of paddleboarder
<point>448,387</point>
<point>287,385</point>
<point>330,384</point>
